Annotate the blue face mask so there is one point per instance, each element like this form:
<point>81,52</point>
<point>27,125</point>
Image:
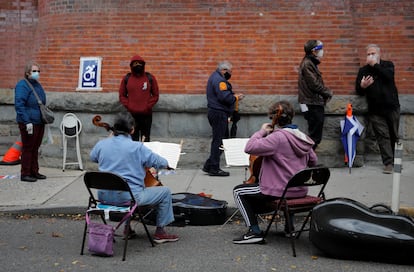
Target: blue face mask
<point>35,75</point>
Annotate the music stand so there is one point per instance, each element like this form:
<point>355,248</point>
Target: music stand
<point>235,156</point>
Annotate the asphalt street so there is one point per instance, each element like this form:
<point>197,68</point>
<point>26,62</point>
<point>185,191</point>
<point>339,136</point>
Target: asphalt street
<point>32,243</point>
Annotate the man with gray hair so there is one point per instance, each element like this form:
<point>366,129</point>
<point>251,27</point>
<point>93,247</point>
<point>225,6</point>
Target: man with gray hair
<point>220,104</point>
<point>376,82</point>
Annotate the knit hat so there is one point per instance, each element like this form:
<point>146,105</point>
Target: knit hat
<point>309,45</point>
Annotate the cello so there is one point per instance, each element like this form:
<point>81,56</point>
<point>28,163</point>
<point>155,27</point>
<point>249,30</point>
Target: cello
<point>255,162</point>
<point>149,179</point>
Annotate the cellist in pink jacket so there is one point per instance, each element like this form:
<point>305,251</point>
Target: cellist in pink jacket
<point>285,150</point>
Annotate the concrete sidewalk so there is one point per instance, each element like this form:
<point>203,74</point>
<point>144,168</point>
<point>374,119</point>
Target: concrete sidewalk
<point>64,192</point>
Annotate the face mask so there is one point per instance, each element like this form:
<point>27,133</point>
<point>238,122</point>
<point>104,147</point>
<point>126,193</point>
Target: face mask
<point>319,54</point>
<point>138,69</point>
<point>35,75</point>
<point>227,75</point>
<point>372,57</point>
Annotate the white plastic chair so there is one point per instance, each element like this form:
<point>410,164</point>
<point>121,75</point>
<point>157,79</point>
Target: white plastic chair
<point>71,127</point>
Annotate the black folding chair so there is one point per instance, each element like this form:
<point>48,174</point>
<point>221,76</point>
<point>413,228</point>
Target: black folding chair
<point>95,181</point>
<point>315,176</point>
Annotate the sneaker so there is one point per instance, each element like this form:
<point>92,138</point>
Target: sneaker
<point>387,169</point>
<point>205,169</point>
<point>250,238</point>
<point>164,237</point>
<point>218,173</point>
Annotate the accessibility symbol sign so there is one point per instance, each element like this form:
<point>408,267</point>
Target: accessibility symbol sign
<point>90,73</point>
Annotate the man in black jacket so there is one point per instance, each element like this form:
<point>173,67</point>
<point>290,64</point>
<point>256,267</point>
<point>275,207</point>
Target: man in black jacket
<point>376,81</point>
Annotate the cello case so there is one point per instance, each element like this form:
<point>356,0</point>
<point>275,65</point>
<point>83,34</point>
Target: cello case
<point>346,229</point>
<point>199,210</point>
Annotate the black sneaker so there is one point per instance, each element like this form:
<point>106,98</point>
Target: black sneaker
<point>250,238</point>
<point>218,173</point>
<point>205,169</point>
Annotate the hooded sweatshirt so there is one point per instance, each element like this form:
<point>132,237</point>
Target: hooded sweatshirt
<point>285,152</point>
<point>139,96</point>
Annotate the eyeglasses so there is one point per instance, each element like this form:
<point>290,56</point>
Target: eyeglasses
<point>34,71</point>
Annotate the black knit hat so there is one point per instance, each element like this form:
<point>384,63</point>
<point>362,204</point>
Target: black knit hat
<point>309,45</point>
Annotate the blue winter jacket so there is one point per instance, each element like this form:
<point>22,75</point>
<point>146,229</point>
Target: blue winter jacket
<point>220,94</point>
<point>25,102</point>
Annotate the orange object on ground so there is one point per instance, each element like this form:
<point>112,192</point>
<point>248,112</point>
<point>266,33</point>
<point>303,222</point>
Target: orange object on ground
<point>205,195</point>
<point>12,156</point>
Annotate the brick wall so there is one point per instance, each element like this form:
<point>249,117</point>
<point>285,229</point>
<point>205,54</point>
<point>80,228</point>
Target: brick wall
<point>183,40</point>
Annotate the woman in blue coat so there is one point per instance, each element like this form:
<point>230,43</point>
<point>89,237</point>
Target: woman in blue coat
<point>30,123</point>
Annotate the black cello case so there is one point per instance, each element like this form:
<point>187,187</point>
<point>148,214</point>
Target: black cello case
<point>346,229</point>
<point>199,210</point>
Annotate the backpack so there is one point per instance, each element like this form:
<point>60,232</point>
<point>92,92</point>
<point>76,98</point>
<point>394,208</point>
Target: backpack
<point>149,76</point>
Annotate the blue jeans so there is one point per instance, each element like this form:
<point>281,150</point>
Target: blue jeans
<point>159,196</point>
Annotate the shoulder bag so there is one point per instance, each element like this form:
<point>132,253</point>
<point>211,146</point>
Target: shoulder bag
<point>48,116</point>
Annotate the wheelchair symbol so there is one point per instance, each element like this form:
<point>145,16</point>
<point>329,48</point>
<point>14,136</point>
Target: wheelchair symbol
<point>89,76</point>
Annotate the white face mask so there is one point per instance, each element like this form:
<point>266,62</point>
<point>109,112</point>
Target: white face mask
<point>319,54</point>
<point>35,75</point>
<point>372,57</point>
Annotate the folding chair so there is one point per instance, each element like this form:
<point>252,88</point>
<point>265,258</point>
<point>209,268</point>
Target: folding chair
<point>71,127</point>
<point>315,176</point>
<point>96,181</point>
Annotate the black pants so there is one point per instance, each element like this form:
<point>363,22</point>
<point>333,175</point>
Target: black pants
<point>219,124</point>
<point>251,201</point>
<point>143,123</point>
<point>386,133</point>
<point>315,117</point>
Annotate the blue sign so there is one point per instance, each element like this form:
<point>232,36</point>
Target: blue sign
<point>89,73</point>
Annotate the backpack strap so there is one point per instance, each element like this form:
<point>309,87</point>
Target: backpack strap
<point>149,76</point>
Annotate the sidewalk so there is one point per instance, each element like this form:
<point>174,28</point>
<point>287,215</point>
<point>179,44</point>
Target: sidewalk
<point>64,192</point>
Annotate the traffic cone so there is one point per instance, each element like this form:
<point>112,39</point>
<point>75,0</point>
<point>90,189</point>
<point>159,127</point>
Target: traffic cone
<point>12,156</point>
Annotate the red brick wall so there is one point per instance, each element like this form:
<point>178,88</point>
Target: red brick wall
<point>18,20</point>
<point>183,40</point>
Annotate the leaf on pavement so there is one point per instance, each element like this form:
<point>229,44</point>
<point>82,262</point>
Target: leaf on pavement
<point>57,234</point>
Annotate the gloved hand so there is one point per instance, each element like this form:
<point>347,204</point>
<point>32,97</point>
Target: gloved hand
<point>29,128</point>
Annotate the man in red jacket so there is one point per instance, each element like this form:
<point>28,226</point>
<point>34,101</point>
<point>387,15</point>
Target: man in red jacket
<point>139,93</point>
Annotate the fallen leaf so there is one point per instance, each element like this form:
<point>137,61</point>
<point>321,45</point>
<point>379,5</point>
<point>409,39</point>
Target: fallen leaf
<point>56,234</point>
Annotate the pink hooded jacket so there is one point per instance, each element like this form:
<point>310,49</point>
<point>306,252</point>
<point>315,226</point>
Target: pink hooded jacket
<point>285,152</point>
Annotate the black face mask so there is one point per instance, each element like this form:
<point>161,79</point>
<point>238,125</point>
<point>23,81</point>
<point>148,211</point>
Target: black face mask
<point>227,75</point>
<point>138,69</point>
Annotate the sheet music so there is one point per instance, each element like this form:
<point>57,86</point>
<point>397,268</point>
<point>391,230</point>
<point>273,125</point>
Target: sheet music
<point>234,151</point>
<point>170,151</point>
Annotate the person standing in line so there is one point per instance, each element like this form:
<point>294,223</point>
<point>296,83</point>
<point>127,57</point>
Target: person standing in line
<point>375,81</point>
<point>285,151</point>
<point>313,94</point>
<point>129,161</point>
<point>220,104</point>
<point>139,93</point>
<point>29,120</point>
